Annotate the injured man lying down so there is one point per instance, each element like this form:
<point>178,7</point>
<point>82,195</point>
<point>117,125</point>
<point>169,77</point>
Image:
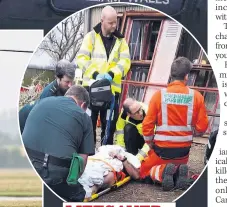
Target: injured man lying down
<point>108,165</point>
<point>105,168</point>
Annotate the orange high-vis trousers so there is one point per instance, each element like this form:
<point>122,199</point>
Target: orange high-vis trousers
<point>156,172</point>
<point>154,160</point>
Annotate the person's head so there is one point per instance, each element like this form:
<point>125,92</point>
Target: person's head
<point>180,69</point>
<point>133,109</point>
<point>65,73</point>
<point>108,20</point>
<point>80,95</point>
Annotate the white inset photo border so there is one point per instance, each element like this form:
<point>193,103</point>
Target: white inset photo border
<point>166,32</point>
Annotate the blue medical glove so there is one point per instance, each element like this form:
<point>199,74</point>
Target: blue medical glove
<point>100,77</point>
<point>108,77</point>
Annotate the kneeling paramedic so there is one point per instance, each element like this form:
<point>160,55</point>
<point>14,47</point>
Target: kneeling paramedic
<point>58,138</point>
<point>104,53</point>
<point>65,73</point>
<point>178,113</point>
<point>129,126</point>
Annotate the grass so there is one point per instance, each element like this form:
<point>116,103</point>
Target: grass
<point>20,182</point>
<point>21,204</point>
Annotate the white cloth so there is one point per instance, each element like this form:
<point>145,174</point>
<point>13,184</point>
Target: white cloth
<point>96,170</point>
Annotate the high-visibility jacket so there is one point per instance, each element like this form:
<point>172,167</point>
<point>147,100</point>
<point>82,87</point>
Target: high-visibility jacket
<point>177,112</point>
<point>123,119</point>
<point>92,58</point>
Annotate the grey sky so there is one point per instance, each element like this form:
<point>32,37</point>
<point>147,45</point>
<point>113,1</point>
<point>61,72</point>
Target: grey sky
<point>13,65</point>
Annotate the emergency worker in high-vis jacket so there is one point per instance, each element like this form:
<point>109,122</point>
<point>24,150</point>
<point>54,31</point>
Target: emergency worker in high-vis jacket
<point>129,125</point>
<point>175,114</point>
<point>178,113</point>
<point>104,53</point>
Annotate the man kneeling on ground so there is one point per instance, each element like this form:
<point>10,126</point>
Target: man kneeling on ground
<point>58,138</point>
<point>129,125</point>
<point>177,113</point>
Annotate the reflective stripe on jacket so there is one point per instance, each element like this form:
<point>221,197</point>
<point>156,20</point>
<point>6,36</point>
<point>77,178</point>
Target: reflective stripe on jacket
<point>92,58</point>
<point>176,111</point>
<point>122,121</point>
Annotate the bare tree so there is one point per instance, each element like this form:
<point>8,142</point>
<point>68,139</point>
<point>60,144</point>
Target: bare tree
<point>64,41</point>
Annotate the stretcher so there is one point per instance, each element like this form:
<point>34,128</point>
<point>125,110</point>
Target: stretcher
<point>191,180</point>
<point>125,180</point>
<point>118,182</point>
<point>113,187</point>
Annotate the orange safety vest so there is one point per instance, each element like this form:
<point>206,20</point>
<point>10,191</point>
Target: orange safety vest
<point>177,112</point>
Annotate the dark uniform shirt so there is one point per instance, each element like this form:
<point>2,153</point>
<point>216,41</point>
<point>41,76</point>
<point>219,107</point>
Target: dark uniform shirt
<point>108,43</point>
<point>23,114</point>
<point>51,89</point>
<point>59,127</point>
